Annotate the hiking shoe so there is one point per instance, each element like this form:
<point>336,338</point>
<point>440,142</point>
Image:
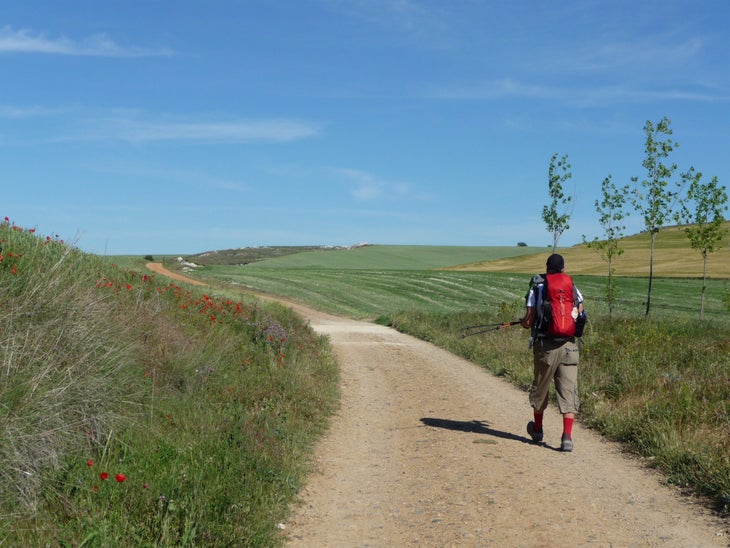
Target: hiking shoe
<point>566,444</point>
<point>536,435</point>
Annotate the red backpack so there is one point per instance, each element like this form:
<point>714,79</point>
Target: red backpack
<point>557,305</point>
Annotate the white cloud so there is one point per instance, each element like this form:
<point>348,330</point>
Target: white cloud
<point>99,45</point>
<point>365,187</point>
<point>133,129</point>
<point>14,112</point>
<point>588,95</point>
<point>645,55</point>
<point>239,131</point>
<point>75,124</point>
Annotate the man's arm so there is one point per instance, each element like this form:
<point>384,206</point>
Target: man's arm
<point>528,318</point>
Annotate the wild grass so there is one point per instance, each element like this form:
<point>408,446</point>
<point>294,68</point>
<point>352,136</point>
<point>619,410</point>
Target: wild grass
<point>136,412</point>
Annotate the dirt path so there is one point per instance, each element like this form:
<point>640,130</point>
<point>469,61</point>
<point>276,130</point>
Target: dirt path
<point>430,450</point>
<point>158,268</point>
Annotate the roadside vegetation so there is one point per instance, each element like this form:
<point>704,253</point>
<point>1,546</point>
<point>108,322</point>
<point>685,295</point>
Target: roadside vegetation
<point>139,412</point>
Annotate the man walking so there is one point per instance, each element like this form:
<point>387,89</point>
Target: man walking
<point>553,304</point>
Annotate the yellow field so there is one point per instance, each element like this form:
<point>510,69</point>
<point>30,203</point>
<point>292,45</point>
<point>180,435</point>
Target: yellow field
<point>673,256</point>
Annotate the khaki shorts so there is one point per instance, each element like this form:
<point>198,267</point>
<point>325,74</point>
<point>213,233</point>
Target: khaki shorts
<point>556,361</point>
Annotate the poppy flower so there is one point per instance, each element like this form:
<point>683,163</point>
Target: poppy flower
<point>104,475</point>
<point>89,462</point>
<point>120,477</point>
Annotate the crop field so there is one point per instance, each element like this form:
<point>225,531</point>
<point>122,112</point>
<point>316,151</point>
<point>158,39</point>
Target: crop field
<point>392,257</point>
<point>673,257</point>
<point>372,293</point>
<point>372,281</point>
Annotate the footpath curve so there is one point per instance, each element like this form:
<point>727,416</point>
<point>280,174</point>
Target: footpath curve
<point>429,449</point>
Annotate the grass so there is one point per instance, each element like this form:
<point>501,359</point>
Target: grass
<point>136,412</point>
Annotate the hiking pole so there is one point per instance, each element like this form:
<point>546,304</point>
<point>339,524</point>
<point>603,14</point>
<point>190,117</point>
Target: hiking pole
<point>486,328</point>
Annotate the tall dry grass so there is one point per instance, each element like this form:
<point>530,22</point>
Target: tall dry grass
<point>136,412</point>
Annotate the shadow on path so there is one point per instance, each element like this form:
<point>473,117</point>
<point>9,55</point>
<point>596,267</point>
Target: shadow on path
<point>478,427</point>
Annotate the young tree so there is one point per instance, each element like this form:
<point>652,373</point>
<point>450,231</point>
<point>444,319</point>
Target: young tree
<point>702,212</point>
<point>555,220</point>
<point>654,202</point>
<point>610,215</point>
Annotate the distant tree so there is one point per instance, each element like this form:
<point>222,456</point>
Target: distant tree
<point>557,214</point>
<point>703,213</point>
<point>521,244</point>
<point>651,198</point>
<point>610,215</point>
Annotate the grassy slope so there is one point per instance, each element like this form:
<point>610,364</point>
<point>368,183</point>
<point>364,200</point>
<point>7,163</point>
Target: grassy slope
<point>207,407</point>
<point>673,257</point>
<point>392,257</point>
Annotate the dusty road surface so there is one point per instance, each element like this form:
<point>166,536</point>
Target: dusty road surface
<point>430,450</point>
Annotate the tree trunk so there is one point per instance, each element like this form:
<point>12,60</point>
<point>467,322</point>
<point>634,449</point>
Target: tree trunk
<point>651,274</point>
<point>704,284</point>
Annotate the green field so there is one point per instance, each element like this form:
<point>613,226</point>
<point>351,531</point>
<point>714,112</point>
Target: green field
<point>371,281</point>
<point>393,257</point>
<point>371,293</point>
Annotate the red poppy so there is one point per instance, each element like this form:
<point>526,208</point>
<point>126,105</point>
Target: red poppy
<point>104,475</point>
<point>120,477</point>
<point>89,462</point>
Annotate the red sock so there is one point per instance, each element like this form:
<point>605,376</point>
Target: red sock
<point>568,427</point>
<point>538,420</point>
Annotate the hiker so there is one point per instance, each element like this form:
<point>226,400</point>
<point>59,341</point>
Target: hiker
<point>554,347</point>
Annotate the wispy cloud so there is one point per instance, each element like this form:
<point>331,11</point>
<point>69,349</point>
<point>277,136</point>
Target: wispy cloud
<point>15,112</point>
<point>410,19</point>
<point>138,127</point>
<point>166,175</point>
<point>647,55</point>
<point>363,185</point>
<point>366,187</point>
<point>575,95</point>
<point>270,130</point>
<point>98,45</point>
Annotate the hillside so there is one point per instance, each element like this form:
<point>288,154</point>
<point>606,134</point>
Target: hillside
<point>673,257</point>
<point>363,257</point>
<point>132,406</point>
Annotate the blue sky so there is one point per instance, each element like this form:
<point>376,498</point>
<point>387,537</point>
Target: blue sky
<point>160,127</point>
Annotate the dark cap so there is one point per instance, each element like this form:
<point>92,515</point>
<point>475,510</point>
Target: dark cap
<point>555,263</point>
